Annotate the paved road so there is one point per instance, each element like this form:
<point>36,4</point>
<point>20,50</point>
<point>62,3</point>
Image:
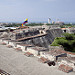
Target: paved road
<point>16,63</point>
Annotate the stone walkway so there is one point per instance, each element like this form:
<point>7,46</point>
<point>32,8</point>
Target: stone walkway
<point>16,63</point>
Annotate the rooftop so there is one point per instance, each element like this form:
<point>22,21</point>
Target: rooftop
<point>39,48</point>
<point>70,53</point>
<point>71,58</point>
<point>28,54</point>
<point>65,68</point>
<point>18,49</point>
<point>56,52</point>
<point>43,60</point>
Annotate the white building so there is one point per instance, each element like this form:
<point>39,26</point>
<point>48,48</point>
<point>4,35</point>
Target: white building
<point>36,50</point>
<point>49,20</point>
<point>70,61</point>
<point>53,54</point>
<point>13,43</point>
<point>23,46</point>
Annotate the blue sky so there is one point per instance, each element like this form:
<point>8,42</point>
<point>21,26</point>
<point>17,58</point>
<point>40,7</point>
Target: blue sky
<point>37,10</point>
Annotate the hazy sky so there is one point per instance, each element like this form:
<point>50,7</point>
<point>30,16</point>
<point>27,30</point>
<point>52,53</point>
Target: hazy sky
<point>37,10</point>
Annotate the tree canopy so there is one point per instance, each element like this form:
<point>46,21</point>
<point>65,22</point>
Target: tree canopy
<point>68,42</point>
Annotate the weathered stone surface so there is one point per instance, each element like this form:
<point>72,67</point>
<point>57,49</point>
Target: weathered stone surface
<point>44,41</point>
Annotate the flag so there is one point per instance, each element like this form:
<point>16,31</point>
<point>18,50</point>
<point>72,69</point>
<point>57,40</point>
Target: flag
<point>25,21</point>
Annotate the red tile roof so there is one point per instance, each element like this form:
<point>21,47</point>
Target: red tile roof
<point>22,27</point>
<point>19,49</point>
<point>9,46</point>
<point>28,54</point>
<point>65,68</point>
<point>43,60</point>
<point>70,53</point>
<point>3,43</point>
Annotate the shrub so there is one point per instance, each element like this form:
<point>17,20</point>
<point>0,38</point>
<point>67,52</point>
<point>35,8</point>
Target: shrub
<point>68,42</point>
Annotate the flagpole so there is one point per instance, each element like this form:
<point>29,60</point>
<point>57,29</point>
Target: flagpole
<point>22,24</point>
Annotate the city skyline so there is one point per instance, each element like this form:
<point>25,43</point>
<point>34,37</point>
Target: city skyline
<point>37,11</point>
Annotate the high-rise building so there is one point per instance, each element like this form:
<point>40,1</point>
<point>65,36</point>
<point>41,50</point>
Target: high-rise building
<point>49,20</point>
